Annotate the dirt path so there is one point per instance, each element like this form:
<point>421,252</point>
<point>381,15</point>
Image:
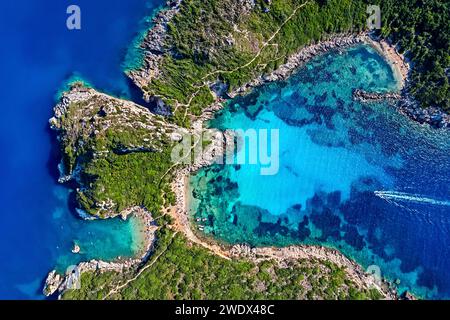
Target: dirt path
<point>126,283</point>
<point>265,44</point>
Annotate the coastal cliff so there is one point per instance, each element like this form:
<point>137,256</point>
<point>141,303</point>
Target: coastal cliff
<point>93,126</point>
<point>113,149</point>
<point>118,152</point>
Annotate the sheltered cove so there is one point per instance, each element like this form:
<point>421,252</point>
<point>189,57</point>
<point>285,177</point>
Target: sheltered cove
<point>178,211</point>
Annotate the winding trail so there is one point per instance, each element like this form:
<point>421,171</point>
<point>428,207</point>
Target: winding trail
<point>265,44</point>
<point>126,283</point>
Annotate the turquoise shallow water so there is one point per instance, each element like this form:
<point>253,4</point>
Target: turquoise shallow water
<point>106,240</point>
<point>363,179</point>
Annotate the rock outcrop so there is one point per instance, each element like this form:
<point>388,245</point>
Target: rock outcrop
<point>91,126</point>
<point>368,97</point>
<point>293,253</point>
<point>408,296</point>
<point>435,117</point>
<point>407,106</point>
<point>154,46</point>
<point>336,42</point>
<point>53,283</point>
<point>57,283</point>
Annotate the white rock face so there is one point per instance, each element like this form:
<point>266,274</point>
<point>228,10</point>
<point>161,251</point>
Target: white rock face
<point>52,283</point>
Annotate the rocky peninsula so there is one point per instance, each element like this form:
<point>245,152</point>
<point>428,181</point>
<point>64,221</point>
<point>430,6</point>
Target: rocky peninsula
<point>368,97</point>
<point>118,152</point>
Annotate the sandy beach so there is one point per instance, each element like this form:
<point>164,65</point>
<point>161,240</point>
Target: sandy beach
<point>145,229</point>
<point>180,184</point>
<point>180,213</point>
<point>397,61</point>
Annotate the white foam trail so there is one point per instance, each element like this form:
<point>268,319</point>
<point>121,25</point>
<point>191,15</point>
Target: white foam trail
<point>408,197</point>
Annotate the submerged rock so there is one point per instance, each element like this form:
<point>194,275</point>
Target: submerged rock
<point>220,89</point>
<point>76,248</point>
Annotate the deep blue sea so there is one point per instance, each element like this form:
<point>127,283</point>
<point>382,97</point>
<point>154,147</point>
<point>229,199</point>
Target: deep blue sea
<point>363,179</point>
<point>360,178</point>
<point>38,54</point>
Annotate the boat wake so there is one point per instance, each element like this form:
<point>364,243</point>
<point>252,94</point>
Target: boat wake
<point>409,197</point>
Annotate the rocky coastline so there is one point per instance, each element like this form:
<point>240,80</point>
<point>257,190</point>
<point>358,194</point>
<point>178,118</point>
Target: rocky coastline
<point>56,283</point>
<point>154,46</point>
<point>432,116</point>
<point>183,224</point>
<point>402,100</point>
<point>407,106</point>
<point>305,54</point>
<point>80,117</point>
<point>282,255</point>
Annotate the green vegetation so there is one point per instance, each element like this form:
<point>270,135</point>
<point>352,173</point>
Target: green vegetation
<point>223,40</point>
<point>421,29</point>
<point>178,270</point>
<point>122,154</point>
<point>128,180</point>
<point>213,40</point>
